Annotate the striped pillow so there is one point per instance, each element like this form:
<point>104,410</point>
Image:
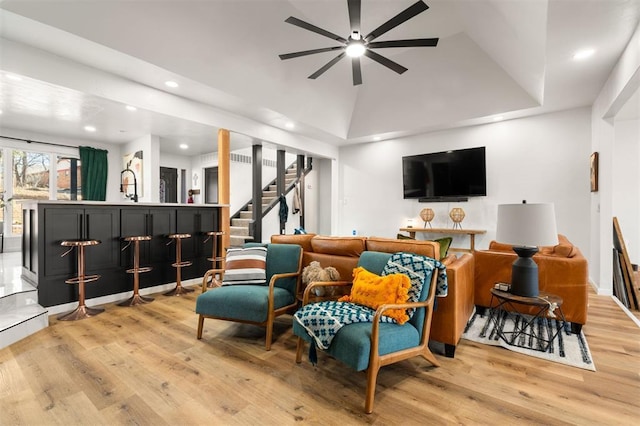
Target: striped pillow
<point>245,266</point>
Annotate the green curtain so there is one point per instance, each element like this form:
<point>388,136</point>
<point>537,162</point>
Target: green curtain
<point>94,166</point>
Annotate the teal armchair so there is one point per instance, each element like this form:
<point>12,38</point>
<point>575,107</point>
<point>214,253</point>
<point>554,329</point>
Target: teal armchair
<point>257,304</point>
<point>368,346</point>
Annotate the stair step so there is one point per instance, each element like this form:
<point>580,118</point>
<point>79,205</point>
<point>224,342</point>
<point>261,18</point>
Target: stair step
<point>22,322</point>
<point>273,188</point>
<point>18,299</point>
<point>264,206</point>
<point>241,222</point>
<point>17,288</point>
<point>269,194</point>
<point>246,215</point>
<point>236,231</point>
<point>238,241</point>
<point>16,294</point>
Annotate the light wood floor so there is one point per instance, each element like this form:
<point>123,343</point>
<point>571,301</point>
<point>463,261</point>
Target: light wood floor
<point>637,283</point>
<point>143,365</point>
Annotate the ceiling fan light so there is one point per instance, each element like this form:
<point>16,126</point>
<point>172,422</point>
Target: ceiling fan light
<point>355,49</point>
<point>583,54</point>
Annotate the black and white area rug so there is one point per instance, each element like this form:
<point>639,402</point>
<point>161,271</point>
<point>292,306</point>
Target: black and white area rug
<point>565,348</point>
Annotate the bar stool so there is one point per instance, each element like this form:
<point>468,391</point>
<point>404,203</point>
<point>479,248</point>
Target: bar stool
<point>215,259</point>
<point>136,299</point>
<point>179,264</point>
<point>82,311</point>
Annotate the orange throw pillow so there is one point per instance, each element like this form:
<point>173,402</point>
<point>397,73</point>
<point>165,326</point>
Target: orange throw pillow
<point>372,290</point>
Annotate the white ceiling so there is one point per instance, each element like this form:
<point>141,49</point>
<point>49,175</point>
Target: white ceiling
<point>494,57</point>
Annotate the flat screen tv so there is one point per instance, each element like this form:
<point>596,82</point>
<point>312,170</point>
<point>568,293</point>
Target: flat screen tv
<point>444,175</point>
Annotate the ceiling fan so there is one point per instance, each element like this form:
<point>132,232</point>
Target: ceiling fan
<point>355,45</point>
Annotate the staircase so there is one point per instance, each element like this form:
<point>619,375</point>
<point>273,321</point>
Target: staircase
<point>20,314</point>
<point>240,231</point>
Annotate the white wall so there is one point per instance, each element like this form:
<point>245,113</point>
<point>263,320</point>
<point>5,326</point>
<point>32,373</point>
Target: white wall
<point>149,184</point>
<point>543,158</point>
<point>327,193</point>
<point>622,83</point>
<point>626,187</point>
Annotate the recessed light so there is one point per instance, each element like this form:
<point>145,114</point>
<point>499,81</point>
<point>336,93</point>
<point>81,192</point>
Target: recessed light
<point>131,108</point>
<point>89,128</point>
<point>171,83</point>
<point>376,138</point>
<point>583,54</point>
<point>498,118</point>
<point>184,146</point>
<point>0,112</point>
<point>289,125</point>
<point>14,77</point>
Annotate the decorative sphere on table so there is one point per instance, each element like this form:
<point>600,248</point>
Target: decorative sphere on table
<point>427,215</point>
<point>457,215</point>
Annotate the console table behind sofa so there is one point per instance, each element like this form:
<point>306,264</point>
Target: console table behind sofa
<point>470,232</point>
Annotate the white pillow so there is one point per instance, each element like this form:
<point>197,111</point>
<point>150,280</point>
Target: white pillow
<point>245,266</point>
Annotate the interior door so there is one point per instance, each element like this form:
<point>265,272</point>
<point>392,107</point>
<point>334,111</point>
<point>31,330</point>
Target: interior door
<point>168,185</point>
<point>211,185</point>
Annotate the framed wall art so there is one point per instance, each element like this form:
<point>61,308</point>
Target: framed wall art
<point>133,163</point>
<point>594,172</point>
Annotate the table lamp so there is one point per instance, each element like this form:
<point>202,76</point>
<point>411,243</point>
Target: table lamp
<point>526,227</point>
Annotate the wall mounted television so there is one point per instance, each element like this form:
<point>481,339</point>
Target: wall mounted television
<point>445,176</point>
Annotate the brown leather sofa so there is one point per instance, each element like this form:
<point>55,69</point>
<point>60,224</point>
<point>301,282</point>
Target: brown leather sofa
<point>452,312</point>
<point>562,270</point>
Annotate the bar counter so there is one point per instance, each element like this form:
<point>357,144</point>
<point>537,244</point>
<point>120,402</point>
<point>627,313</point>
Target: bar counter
<point>47,223</point>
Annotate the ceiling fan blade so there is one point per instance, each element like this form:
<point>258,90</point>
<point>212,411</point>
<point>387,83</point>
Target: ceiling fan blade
<point>327,66</point>
<point>357,72</point>
<point>384,61</point>
<point>354,14</point>
<point>401,17</point>
<point>309,52</point>
<point>416,42</point>
<point>307,26</point>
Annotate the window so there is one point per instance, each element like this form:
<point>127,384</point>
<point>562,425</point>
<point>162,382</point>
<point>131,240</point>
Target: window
<point>30,173</point>
<point>68,179</point>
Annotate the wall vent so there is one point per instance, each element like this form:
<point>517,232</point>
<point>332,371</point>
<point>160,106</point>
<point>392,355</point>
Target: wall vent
<point>240,158</point>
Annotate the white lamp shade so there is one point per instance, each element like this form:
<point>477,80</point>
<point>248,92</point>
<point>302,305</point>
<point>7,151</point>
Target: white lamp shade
<point>531,225</point>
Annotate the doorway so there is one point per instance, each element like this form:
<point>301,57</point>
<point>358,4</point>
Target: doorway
<point>168,185</point>
<point>211,185</point>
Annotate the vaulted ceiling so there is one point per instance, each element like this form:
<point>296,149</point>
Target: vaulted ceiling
<point>494,57</point>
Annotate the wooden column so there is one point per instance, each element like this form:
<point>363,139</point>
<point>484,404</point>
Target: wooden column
<point>224,188</point>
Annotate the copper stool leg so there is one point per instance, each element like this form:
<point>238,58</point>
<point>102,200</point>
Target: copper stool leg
<point>136,299</point>
<point>82,311</point>
<point>215,258</point>
<point>179,264</point>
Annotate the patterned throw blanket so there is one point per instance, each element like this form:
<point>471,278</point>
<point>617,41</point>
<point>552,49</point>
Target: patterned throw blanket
<point>323,320</point>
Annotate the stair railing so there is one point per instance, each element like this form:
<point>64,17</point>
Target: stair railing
<point>306,169</point>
